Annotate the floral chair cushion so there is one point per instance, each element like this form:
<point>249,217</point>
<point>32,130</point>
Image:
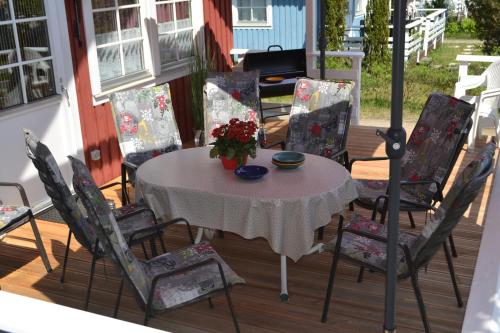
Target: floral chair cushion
<point>145,123</point>
<point>128,225</point>
<point>180,289</point>
<point>319,117</point>
<point>10,214</point>
<point>369,190</point>
<point>430,148</point>
<point>230,95</point>
<point>107,230</point>
<point>370,251</point>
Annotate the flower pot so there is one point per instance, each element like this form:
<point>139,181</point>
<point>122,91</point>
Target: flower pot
<point>232,163</point>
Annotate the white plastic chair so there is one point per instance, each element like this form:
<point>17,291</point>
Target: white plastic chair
<point>487,103</point>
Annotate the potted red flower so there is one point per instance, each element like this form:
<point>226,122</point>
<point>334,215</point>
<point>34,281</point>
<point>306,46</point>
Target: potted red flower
<point>234,142</point>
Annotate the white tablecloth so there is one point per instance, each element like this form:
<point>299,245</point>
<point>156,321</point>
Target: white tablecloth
<point>285,207</point>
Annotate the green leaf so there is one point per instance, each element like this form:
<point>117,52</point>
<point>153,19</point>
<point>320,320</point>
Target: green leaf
<point>214,152</point>
<point>230,152</point>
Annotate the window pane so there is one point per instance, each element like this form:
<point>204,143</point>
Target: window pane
<point>102,3</point>
<point>10,88</point>
<point>33,40</point>
<point>167,48</point>
<point>185,40</point>
<point>39,80</point>
<point>105,27</point>
<point>244,14</point>
<point>165,18</point>
<point>8,53</point>
<point>132,54</point>
<point>244,3</point>
<point>259,15</point>
<point>130,23</point>
<point>127,2</point>
<point>4,10</point>
<point>259,3</point>
<point>109,62</point>
<point>25,9</point>
<point>183,15</point>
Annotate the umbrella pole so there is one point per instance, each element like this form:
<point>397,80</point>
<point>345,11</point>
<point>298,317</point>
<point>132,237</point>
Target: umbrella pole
<point>322,40</point>
<point>395,148</point>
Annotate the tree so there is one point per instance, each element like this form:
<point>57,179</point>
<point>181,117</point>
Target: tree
<point>376,31</point>
<point>486,13</point>
<point>336,11</point>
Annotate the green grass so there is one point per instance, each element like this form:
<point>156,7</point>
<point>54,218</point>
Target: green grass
<point>422,79</point>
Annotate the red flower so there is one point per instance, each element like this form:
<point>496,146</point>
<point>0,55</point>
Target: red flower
<point>328,152</point>
<point>162,106</point>
<point>160,99</point>
<point>155,153</point>
<point>236,95</point>
<point>316,129</point>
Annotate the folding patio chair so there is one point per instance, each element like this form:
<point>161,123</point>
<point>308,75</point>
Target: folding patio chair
<point>130,218</point>
<point>230,95</point>
<point>363,241</point>
<point>319,119</point>
<point>146,127</point>
<point>15,216</point>
<point>431,152</point>
<point>164,282</point>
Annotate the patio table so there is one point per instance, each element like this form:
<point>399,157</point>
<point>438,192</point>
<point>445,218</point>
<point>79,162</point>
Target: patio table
<point>285,206</point>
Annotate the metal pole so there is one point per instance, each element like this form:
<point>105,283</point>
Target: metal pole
<point>395,150</point>
<point>322,39</point>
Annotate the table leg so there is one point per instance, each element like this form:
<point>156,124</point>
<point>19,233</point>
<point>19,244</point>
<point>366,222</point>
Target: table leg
<point>284,280</point>
<point>199,235</point>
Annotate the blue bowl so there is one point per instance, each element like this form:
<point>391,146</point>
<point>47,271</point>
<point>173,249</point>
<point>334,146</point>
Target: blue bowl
<point>250,172</point>
<point>289,157</point>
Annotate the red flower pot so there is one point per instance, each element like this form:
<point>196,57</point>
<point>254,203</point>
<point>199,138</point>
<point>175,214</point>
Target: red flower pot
<point>232,163</point>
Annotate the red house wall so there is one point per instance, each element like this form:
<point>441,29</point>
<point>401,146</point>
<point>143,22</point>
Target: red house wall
<point>97,125</point>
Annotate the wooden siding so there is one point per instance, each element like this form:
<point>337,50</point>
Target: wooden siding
<point>288,28</point>
<point>355,307</point>
<point>98,130</point>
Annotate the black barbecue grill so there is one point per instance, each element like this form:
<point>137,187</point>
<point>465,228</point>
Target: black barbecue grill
<point>288,64</point>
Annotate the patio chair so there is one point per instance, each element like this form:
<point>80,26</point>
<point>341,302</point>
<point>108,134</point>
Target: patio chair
<point>487,103</point>
<point>320,119</point>
<point>230,95</point>
<point>131,218</point>
<point>431,152</point>
<point>15,216</point>
<point>363,241</point>
<point>146,127</point>
<point>164,282</point>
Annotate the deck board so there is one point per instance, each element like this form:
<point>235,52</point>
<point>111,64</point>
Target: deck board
<point>355,307</point>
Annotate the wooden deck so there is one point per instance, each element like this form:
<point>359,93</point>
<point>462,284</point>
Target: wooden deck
<point>355,307</point>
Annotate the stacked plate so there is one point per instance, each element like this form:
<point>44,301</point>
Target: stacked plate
<point>288,159</point>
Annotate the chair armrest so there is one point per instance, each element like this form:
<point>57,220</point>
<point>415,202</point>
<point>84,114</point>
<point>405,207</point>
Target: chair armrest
<point>103,187</point>
<point>160,226</point>
<point>366,159</point>
<point>130,165</point>
<point>471,81</point>
<point>281,143</point>
<point>419,204</point>
<point>137,212</point>
<point>490,93</point>
<point>21,190</point>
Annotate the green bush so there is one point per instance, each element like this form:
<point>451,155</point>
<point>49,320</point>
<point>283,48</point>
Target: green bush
<point>465,26</point>
<point>486,13</point>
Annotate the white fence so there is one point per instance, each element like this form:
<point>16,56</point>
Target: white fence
<point>420,34</point>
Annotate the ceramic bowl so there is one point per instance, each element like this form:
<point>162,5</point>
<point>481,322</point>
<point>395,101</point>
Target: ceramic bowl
<point>250,172</point>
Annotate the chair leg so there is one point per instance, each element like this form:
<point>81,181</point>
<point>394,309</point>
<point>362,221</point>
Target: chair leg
<point>125,198</point>
<point>321,232</point>
<point>382,215</point>
<point>162,243</point>
<point>449,260</point>
<point>91,278</point>
<point>66,254</point>
<point>420,300</point>
<point>145,252</point>
<point>118,299</point>
<point>154,251</point>
<point>412,221</point>
<point>351,206</point>
<point>452,246</point>
<point>331,278</point>
<point>360,274</point>
<point>210,304</point>
<point>39,243</point>
<point>231,308</point>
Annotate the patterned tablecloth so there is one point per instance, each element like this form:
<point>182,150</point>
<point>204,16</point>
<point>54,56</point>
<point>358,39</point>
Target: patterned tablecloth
<point>285,206</point>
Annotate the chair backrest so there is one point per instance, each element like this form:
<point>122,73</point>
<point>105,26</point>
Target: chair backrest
<point>435,143</point>
<point>465,189</point>
<point>230,95</point>
<point>58,190</point>
<point>107,230</point>
<point>320,117</point>
<point>493,82</point>
<point>145,123</point>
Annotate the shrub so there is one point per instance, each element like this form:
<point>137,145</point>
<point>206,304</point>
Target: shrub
<point>486,13</point>
<point>376,32</point>
<point>336,10</point>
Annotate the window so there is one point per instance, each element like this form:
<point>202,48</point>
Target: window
<point>133,41</point>
<point>252,13</point>
<point>26,69</point>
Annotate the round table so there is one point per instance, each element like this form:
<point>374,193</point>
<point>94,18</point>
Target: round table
<point>285,206</point>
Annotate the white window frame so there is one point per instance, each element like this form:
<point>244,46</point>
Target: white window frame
<point>153,72</point>
<point>252,25</point>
